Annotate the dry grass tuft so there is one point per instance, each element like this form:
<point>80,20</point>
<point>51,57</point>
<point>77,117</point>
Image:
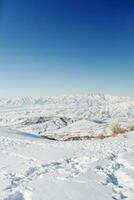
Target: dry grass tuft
<point>117,129</point>
<point>100,136</point>
<point>130,127</point>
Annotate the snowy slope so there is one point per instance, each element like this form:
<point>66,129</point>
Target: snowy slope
<point>32,168</point>
<point>68,114</point>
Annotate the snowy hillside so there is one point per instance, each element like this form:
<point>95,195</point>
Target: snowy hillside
<point>35,168</point>
<point>88,114</point>
<point>32,168</point>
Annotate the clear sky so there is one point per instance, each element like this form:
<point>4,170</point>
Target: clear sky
<point>55,47</point>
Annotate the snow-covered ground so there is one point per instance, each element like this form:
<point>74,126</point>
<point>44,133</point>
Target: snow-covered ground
<point>84,115</point>
<point>33,168</point>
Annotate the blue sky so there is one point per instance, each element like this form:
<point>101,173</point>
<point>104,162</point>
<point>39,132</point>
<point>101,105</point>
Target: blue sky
<point>55,47</point>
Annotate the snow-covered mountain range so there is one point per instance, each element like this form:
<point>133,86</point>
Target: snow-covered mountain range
<point>90,98</point>
<point>91,113</point>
